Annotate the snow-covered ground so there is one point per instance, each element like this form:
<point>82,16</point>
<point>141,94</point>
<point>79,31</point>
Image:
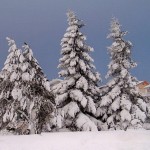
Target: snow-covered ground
<point>105,140</point>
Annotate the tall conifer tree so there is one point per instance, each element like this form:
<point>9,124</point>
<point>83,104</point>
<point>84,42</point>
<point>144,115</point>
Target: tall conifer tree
<point>122,106</point>
<point>75,95</point>
<point>24,92</point>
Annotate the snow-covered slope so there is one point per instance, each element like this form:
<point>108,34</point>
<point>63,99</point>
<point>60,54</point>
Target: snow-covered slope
<point>105,140</point>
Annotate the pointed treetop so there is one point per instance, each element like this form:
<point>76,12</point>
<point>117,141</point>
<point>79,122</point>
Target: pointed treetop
<point>12,44</point>
<point>115,29</point>
<point>72,19</point>
<point>27,51</point>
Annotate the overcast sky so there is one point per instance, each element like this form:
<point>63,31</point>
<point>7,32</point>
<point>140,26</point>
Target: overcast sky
<point>42,23</point>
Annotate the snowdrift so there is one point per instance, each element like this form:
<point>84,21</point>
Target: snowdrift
<point>104,140</point>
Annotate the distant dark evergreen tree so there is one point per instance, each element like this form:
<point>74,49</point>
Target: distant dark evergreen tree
<point>76,94</point>
<point>121,106</point>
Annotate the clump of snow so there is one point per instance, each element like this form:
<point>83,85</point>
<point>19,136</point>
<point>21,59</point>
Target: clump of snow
<point>13,77</point>
<point>54,82</point>
<point>125,115</point>
<point>91,105</point>
<point>61,98</point>
<point>82,83</point>
<point>82,65</point>
<point>125,103</point>
<point>71,109</point>
<point>16,93</point>
<point>78,96</point>
<point>138,113</point>
<point>72,70</point>
<point>110,120</point>
<point>142,104</point>
<point>115,92</point>
<point>116,104</point>
<point>59,121</point>
<point>84,123</point>
<point>124,72</point>
<point>26,76</point>
<point>106,100</point>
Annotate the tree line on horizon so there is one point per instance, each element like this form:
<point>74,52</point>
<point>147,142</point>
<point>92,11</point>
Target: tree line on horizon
<point>31,104</point>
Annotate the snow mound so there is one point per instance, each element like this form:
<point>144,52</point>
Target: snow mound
<point>104,140</point>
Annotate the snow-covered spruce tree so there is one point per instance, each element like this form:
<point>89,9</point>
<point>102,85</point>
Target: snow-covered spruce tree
<point>76,94</point>
<point>24,93</point>
<point>122,106</point>
<point>40,107</point>
<point>10,74</point>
